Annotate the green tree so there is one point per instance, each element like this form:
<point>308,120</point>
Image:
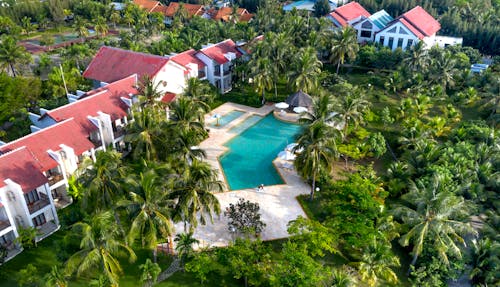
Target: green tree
<point>342,278</point>
<point>244,216</point>
<point>150,210</point>
<point>12,55</point>
<point>27,26</point>
<point>27,237</point>
<point>81,27</point>
<point>321,8</point>
<point>305,71</point>
<point>100,248</point>
<point>344,44</point>
<point>433,215</point>
<point>28,277</point>
<point>316,237</point>
<point>101,27</point>
<point>201,265</point>
<point>318,142</point>
<point>184,244</point>
<point>262,77</point>
<point>55,278</point>
<point>150,272</point>
<point>146,133</point>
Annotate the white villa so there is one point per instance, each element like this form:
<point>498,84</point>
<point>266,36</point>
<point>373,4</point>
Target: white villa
<point>403,32</point>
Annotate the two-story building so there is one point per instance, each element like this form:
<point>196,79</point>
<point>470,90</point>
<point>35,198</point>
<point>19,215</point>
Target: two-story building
<point>219,59</point>
<point>173,8</point>
<point>347,14</point>
<point>368,27</point>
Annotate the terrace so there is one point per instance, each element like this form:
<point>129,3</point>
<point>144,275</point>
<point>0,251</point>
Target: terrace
<point>39,204</point>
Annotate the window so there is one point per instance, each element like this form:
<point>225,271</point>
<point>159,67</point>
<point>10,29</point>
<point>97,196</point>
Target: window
<point>382,39</point>
<point>366,25</point>
<point>39,220</point>
<point>3,240</point>
<point>366,34</point>
<point>410,43</point>
<point>402,31</point>
<point>393,30</point>
<point>391,42</point>
<point>32,196</point>
<point>400,42</point>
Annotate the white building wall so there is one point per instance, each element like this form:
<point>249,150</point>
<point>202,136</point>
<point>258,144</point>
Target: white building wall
<point>401,33</point>
<point>359,29</point>
<point>210,66</point>
<point>16,203</point>
<point>173,75</point>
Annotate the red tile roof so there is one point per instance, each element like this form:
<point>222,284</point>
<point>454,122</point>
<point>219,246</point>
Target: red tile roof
<point>21,167</point>
<point>421,20</point>
<point>224,13</point>
<point>173,7</point>
<point>412,28</point>
<point>67,132</point>
<point>112,64</point>
<point>217,51</point>
<point>106,99</point>
<point>187,57</point>
<point>348,12</point>
<point>149,5</point>
<point>246,17</point>
<point>168,97</point>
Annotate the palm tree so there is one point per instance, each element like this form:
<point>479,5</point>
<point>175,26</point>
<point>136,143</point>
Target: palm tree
<point>101,28</point>
<point>12,55</point>
<point>55,278</point>
<point>318,142</point>
<point>150,272</point>
<point>341,278</point>
<point>443,70</point>
<point>262,75</point>
<point>148,91</point>
<point>305,71</point>
<point>149,208</point>
<point>189,114</point>
<point>99,248</point>
<point>199,90</point>
<point>418,57</point>
<point>344,43</point>
<point>102,180</point>
<point>432,213</point>
<point>80,26</point>
<point>323,110</point>
<point>374,265</point>
<point>77,53</point>
<point>184,245</point>
<point>194,194</point>
<point>115,17</point>
<point>28,27</point>
<point>351,109</point>
<point>146,133</point>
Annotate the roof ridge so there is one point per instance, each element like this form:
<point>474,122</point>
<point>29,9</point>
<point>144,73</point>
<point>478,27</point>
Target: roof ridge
<point>132,52</point>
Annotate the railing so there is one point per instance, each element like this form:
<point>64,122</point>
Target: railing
<point>4,224</point>
<point>39,204</point>
<point>55,178</point>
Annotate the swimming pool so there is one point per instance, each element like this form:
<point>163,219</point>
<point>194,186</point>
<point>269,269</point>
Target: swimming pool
<point>226,119</point>
<point>248,162</point>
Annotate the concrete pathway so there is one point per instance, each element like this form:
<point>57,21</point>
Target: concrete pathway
<point>277,203</point>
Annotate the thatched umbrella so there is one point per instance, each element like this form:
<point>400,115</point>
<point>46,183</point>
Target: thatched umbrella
<point>299,99</point>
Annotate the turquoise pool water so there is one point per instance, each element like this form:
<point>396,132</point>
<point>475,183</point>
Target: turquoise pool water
<point>248,122</point>
<point>226,119</point>
<point>248,162</point>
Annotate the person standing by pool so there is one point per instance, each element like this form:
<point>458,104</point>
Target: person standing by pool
<point>261,187</point>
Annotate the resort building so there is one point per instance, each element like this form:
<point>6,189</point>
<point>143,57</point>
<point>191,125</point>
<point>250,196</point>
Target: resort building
<point>308,5</point>
<point>228,14</point>
<point>219,59</point>
<point>173,7</point>
<point>367,27</point>
<point>348,14</point>
<point>148,5</point>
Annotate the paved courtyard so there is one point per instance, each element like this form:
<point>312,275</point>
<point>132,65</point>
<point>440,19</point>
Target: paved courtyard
<point>277,203</point>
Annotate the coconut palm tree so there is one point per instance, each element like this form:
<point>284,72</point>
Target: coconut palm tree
<point>199,90</point>
<point>100,248</point>
<point>262,75</point>
<point>188,114</point>
<point>318,142</point>
<point>149,208</point>
<point>77,53</point>
<point>115,17</point>
<point>305,71</point>
<point>12,55</point>
<point>344,43</point>
<point>27,26</point>
<point>417,57</point>
<point>184,146</point>
<point>443,70</point>
<point>323,110</point>
<point>374,265</point>
<point>433,215</point>
<point>194,194</point>
<point>80,25</point>
<point>55,278</point>
<point>148,91</point>
<point>101,27</point>
<point>101,180</point>
<point>342,278</point>
<point>351,109</point>
<point>146,133</point>
<point>184,245</point>
<point>150,272</point>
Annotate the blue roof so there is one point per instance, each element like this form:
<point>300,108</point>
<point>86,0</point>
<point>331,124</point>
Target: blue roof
<point>381,18</point>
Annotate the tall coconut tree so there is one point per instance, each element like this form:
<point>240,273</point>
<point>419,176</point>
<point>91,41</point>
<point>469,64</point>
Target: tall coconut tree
<point>417,58</point>
<point>261,73</point>
<point>100,247</point>
<point>344,45</point>
<point>184,244</point>
<point>147,133</point>
<point>101,27</point>
<point>81,27</point>
<point>434,215</point>
<point>12,55</point>
<point>199,90</point>
<point>194,194</point>
<point>318,142</point>
<point>305,71</point>
<point>150,208</point>
<point>188,114</point>
<point>351,109</point>
<point>323,110</point>
<point>443,70</point>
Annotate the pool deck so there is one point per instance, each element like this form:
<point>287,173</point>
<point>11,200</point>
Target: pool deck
<point>278,203</point>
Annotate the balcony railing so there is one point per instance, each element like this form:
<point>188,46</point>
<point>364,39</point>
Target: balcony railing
<point>55,178</point>
<point>226,73</point>
<point>4,224</point>
<point>39,204</point>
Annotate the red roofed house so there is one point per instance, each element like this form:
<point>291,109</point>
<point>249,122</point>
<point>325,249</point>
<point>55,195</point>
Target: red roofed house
<point>348,14</point>
<point>112,64</point>
<point>219,59</point>
<point>101,114</point>
<point>408,29</point>
<point>173,7</point>
<point>226,14</point>
<point>148,5</point>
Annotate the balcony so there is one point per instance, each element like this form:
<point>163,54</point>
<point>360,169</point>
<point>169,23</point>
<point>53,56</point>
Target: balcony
<point>45,230</point>
<point>97,142</point>
<point>226,73</point>
<point>61,198</point>
<point>55,178</point>
<point>4,224</point>
<point>118,131</point>
<point>39,204</point>
<point>202,75</point>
